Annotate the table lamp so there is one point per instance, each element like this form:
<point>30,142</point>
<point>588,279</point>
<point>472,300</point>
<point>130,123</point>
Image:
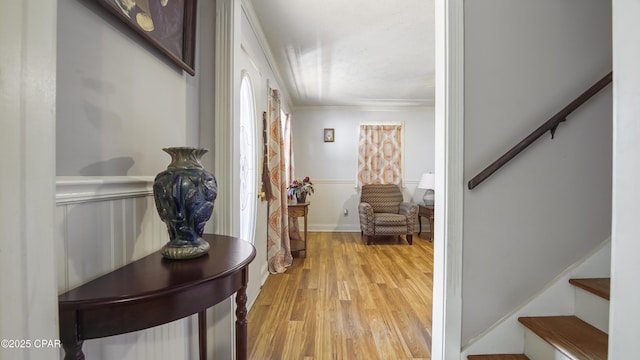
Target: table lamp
<point>427,182</point>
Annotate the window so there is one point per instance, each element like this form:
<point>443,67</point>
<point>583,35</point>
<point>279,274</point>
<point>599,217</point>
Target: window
<point>380,159</point>
<point>248,160</point>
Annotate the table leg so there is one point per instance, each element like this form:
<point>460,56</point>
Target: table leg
<point>202,334</point>
<point>305,235</point>
<point>69,336</point>
<point>431,228</point>
<point>73,351</point>
<point>420,223</point>
<point>241,320</point>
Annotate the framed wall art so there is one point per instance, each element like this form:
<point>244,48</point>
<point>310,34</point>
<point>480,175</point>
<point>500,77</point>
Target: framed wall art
<point>170,25</point>
<point>329,135</point>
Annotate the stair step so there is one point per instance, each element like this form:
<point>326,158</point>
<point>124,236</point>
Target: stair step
<point>597,286</point>
<point>569,335</point>
<point>498,357</point>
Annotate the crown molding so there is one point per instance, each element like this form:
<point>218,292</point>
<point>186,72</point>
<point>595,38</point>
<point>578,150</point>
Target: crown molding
<point>377,108</point>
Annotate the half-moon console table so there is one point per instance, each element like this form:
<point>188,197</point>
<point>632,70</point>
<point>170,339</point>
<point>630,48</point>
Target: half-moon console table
<point>153,291</point>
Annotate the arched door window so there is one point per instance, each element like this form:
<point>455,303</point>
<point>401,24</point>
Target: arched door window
<point>248,160</point>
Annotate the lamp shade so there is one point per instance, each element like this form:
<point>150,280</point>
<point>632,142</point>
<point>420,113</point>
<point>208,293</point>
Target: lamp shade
<point>427,181</point>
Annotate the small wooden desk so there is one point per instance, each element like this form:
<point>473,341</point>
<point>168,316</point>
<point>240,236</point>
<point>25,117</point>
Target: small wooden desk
<point>153,291</point>
<point>296,211</point>
<point>426,211</point>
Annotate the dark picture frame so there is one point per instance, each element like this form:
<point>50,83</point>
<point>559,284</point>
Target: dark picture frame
<point>329,135</point>
<point>169,25</point>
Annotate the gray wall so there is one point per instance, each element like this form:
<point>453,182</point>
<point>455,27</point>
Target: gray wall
<point>337,160</point>
<point>524,61</point>
<point>119,100</point>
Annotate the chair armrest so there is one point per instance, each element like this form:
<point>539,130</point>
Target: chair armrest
<point>411,212</point>
<point>366,218</point>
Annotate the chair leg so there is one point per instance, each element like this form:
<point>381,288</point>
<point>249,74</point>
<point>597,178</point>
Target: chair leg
<point>367,239</point>
<point>410,239</point>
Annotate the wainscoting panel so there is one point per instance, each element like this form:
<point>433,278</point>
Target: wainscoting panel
<point>101,225</point>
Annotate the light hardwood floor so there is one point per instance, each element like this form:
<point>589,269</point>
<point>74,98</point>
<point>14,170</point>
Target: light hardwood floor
<point>347,300</point>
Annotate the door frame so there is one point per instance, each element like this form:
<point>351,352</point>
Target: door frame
<point>449,170</point>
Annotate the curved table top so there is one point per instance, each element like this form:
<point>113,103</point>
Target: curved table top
<point>153,276</point>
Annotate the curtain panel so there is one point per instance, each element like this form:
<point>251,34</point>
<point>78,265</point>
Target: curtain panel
<point>278,242</point>
<point>379,155</point>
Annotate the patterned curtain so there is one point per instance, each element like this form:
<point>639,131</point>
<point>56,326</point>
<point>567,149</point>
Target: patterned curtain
<point>278,243</point>
<point>379,155</point>
<point>294,227</point>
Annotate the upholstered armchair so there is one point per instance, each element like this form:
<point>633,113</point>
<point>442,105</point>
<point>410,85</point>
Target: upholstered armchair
<point>383,212</point>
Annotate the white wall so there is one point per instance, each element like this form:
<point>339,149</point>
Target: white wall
<point>524,61</point>
<point>332,165</point>
<point>120,101</point>
<point>28,304</point>
<point>625,287</point>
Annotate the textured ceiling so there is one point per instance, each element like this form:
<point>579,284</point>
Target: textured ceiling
<point>352,52</point>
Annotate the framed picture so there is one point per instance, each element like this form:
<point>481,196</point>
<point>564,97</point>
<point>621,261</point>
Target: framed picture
<point>329,135</point>
<point>170,25</point>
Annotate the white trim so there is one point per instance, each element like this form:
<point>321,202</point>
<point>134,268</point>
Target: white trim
<point>334,228</point>
<point>381,122</point>
<point>227,46</point>
<point>345,181</point>
<point>79,189</point>
<point>224,113</point>
<point>449,135</point>
<point>377,108</point>
<point>29,305</point>
<point>333,181</point>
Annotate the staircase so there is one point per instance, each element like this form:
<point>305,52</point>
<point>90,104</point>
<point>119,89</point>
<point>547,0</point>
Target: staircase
<point>576,337</point>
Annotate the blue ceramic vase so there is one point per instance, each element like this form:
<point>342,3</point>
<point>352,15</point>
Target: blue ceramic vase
<point>185,194</point>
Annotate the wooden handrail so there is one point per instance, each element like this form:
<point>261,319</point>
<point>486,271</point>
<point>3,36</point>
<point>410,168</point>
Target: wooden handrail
<point>550,125</point>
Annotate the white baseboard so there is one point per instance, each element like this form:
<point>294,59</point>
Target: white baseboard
<point>333,228</point>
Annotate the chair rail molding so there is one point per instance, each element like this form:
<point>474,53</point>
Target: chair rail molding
<point>79,189</point>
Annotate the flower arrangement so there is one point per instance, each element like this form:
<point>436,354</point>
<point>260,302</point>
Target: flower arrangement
<point>300,188</point>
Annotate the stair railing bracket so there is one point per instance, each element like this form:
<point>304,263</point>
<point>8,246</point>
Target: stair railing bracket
<point>553,129</point>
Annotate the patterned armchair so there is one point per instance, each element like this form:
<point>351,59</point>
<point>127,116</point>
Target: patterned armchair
<point>383,212</point>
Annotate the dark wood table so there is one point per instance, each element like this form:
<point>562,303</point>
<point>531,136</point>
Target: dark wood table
<point>426,211</point>
<point>153,291</point>
<point>296,211</point>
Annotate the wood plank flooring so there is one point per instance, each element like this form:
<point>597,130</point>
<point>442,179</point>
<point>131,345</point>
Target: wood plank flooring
<point>347,300</point>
